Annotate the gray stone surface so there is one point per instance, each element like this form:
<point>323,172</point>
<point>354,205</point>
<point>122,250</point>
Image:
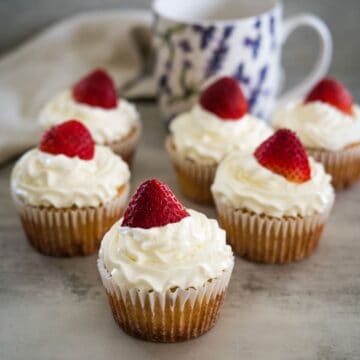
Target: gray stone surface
<point>56,308</point>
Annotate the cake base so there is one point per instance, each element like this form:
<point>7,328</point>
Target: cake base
<point>126,147</point>
<point>342,165</point>
<point>173,316</point>
<point>73,231</point>
<point>194,179</point>
<point>270,240</point>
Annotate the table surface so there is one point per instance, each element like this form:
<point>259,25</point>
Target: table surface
<point>56,308</point>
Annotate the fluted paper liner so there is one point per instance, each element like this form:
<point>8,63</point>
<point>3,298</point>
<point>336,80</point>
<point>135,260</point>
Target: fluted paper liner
<point>175,315</point>
<point>342,165</point>
<point>126,147</point>
<point>271,240</point>
<point>194,179</point>
<point>69,232</point>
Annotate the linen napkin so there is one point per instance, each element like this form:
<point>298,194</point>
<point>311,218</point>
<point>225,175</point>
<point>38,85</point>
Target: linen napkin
<point>53,60</point>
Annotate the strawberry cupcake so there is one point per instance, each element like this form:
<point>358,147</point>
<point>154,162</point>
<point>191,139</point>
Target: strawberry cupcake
<point>69,192</point>
<point>112,121</point>
<point>165,268</point>
<point>328,124</point>
<point>200,139</point>
<point>273,202</point>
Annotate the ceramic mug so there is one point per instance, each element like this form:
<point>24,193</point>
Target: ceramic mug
<point>197,41</point>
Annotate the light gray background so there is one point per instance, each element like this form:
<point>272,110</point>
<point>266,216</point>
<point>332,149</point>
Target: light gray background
<point>56,308</point>
<point>20,19</point>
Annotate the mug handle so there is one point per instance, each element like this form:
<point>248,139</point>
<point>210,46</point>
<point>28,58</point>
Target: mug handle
<point>323,60</point>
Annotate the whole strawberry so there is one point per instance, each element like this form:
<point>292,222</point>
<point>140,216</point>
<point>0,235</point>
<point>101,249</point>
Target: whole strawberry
<point>96,89</point>
<point>225,99</point>
<point>332,92</point>
<point>152,205</point>
<point>284,154</point>
<point>70,138</point>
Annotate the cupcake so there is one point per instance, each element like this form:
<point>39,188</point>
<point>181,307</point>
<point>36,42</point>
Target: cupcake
<point>201,138</point>
<point>273,203</point>
<point>328,124</point>
<point>68,191</point>
<point>112,121</point>
<point>165,269</point>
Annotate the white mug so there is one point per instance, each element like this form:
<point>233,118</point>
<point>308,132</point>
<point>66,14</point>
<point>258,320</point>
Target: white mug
<point>197,41</point>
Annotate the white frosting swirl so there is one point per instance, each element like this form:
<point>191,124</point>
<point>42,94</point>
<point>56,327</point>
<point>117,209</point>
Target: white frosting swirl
<point>183,254</point>
<point>201,135</point>
<point>105,125</point>
<point>43,179</point>
<point>244,183</point>
<point>320,125</point>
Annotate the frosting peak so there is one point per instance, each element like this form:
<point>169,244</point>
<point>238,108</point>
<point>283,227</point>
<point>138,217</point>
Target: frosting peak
<point>43,179</point>
<point>245,184</point>
<point>320,125</point>
<point>201,135</point>
<point>183,254</point>
<point>105,125</point>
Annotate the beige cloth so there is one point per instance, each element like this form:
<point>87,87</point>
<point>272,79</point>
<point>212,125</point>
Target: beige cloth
<point>54,59</point>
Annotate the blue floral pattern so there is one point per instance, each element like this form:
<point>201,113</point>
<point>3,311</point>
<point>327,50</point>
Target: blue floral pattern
<point>240,75</point>
<point>258,88</point>
<point>220,52</point>
<point>184,44</point>
<point>272,30</point>
<point>206,34</point>
<point>253,44</point>
<point>257,23</point>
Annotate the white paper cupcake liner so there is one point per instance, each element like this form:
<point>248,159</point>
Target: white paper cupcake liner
<point>126,147</point>
<point>271,240</point>
<point>175,315</point>
<point>194,179</point>
<point>72,231</point>
<point>342,165</point>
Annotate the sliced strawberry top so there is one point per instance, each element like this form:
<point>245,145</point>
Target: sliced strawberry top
<point>332,92</point>
<point>225,99</point>
<point>153,204</point>
<point>96,89</point>
<point>70,138</point>
<point>284,154</point>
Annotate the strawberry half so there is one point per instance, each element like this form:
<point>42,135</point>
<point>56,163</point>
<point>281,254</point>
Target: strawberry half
<point>225,98</point>
<point>96,89</point>
<point>70,138</point>
<point>153,204</point>
<point>332,92</point>
<point>284,154</point>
